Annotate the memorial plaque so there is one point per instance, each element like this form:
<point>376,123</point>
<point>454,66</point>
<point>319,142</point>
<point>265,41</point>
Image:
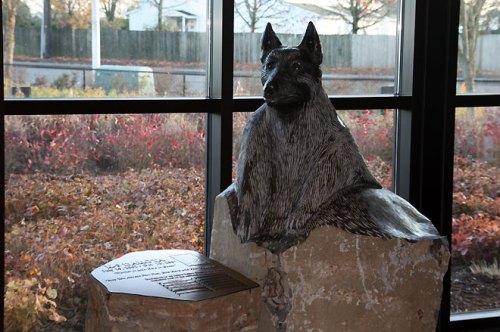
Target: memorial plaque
<point>172,274</point>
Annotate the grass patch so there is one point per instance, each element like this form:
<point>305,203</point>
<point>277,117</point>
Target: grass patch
<point>491,270</point>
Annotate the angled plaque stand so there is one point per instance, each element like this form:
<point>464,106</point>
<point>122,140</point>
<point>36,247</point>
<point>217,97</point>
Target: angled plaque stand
<point>170,290</point>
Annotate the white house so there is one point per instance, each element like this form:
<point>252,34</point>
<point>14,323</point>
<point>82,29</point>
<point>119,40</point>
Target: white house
<point>178,15</point>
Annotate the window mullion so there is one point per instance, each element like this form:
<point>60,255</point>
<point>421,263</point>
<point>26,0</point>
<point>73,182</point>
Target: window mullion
<point>219,124</point>
<point>435,71</point>
<point>404,87</point>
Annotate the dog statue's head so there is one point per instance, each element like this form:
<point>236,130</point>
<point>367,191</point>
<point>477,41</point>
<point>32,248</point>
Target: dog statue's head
<point>290,73</point>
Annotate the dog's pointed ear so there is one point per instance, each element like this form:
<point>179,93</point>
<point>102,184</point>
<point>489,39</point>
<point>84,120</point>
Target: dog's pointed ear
<point>269,42</point>
<point>311,44</point>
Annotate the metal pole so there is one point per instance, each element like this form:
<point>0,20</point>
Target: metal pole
<point>96,35</point>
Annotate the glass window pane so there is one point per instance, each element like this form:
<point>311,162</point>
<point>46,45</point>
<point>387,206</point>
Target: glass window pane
<point>475,272</point>
<point>373,131</point>
<point>81,190</point>
<point>478,47</point>
<point>359,41</point>
<point>153,48</point>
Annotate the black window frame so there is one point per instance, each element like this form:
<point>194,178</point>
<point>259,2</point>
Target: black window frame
<point>425,102</point>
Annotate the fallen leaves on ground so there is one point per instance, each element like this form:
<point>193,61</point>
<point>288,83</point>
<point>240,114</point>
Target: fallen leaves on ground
<point>59,228</point>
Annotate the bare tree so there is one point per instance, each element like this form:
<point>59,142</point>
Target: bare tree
<point>10,10</point>
<point>471,13</point>
<point>114,8</point>
<point>72,13</point>
<point>253,12</point>
<point>359,14</point>
<point>474,17</point>
<point>160,7</point>
<point>109,7</point>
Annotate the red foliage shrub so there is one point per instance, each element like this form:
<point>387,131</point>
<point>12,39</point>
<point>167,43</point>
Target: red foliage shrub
<point>476,203</point>
<point>476,210</point>
<point>476,237</point>
<point>477,133</point>
<point>373,132</point>
<point>69,144</point>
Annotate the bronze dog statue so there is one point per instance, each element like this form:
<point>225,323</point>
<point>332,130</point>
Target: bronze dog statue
<point>299,167</point>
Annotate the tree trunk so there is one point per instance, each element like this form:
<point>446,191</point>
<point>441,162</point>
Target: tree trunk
<point>253,24</point>
<point>355,24</point>
<point>46,28</point>
<point>111,16</point>
<point>253,9</point>
<point>160,15</point>
<point>10,42</point>
<point>355,28</point>
<point>469,20</point>
<point>468,73</point>
<point>467,50</point>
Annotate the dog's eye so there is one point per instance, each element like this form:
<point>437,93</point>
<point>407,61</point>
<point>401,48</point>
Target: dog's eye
<point>297,66</point>
<point>270,65</point>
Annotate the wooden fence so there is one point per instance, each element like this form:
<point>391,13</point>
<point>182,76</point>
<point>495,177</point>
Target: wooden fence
<point>348,51</point>
<point>192,46</point>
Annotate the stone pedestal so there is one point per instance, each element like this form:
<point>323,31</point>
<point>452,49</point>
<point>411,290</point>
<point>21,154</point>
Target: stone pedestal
<point>338,281</point>
<point>155,292</point>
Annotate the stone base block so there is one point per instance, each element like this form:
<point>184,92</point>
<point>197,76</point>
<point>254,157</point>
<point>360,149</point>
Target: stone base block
<point>338,281</point>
